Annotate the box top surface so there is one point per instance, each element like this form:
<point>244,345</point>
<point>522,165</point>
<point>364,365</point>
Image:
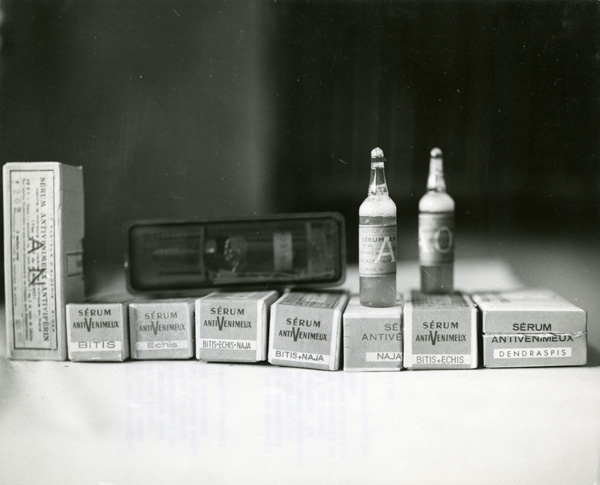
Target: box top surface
<point>240,295</point>
<point>529,311</point>
<point>530,300</point>
<point>331,300</point>
<point>355,309</point>
<point>92,304</point>
<point>160,303</point>
<point>39,166</point>
<point>417,300</point>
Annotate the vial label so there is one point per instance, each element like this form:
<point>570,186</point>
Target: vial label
<point>377,250</point>
<point>436,238</point>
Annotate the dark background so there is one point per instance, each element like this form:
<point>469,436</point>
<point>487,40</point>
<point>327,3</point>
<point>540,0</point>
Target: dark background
<point>190,110</point>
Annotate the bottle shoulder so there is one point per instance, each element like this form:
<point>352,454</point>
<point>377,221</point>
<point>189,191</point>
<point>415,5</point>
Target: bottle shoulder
<point>377,205</point>
<point>436,202</point>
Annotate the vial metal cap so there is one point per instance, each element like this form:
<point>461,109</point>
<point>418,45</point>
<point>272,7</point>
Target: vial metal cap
<point>436,153</point>
<point>377,153</point>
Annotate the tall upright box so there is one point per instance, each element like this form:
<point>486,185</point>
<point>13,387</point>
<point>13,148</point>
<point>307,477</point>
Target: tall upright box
<point>43,255</point>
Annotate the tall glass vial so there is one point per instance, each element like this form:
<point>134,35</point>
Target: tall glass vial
<point>436,231</point>
<point>377,240</point>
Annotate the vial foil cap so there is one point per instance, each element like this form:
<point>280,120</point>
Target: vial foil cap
<point>436,153</point>
<point>377,153</point>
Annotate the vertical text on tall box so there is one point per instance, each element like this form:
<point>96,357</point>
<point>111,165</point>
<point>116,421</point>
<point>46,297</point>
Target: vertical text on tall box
<point>43,255</point>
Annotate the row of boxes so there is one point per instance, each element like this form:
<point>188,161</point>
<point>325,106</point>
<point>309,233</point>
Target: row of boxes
<point>43,252</point>
<point>307,329</point>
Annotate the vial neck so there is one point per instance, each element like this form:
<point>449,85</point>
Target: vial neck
<point>436,181</point>
<point>377,184</point>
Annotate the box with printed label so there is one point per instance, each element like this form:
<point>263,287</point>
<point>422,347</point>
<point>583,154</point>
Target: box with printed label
<point>97,331</point>
<point>162,329</point>
<point>232,327</point>
<point>305,330</point>
<point>440,331</point>
<point>531,328</point>
<point>372,337</point>
<point>43,255</point>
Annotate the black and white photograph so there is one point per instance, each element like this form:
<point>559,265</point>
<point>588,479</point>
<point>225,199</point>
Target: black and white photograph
<point>300,241</point>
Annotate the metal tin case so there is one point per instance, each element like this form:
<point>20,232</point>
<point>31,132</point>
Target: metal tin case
<point>279,251</point>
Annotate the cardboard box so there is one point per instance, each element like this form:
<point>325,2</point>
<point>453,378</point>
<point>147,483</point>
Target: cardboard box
<point>43,255</point>
<point>97,331</point>
<point>531,328</point>
<point>305,330</point>
<point>440,331</point>
<point>372,337</point>
<point>232,327</point>
<point>162,329</point>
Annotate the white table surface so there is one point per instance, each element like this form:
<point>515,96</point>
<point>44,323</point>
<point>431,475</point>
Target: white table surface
<point>176,421</point>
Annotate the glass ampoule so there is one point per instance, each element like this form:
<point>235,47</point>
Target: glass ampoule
<point>377,240</point>
<point>436,231</point>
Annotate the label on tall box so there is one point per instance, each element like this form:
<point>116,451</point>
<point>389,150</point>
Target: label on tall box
<point>33,264</point>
